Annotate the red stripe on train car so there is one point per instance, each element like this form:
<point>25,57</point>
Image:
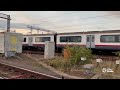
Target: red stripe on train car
<point>25,44</point>
<point>69,45</point>
<point>38,44</point>
<point>34,45</point>
<point>109,45</point>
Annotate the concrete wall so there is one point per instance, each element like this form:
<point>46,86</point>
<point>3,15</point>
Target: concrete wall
<point>13,42</point>
<point>49,51</point>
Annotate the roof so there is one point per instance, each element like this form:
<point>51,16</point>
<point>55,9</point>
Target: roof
<point>39,34</point>
<point>88,32</point>
<point>92,32</point>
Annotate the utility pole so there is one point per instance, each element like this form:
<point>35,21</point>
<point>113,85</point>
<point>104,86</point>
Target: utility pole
<point>5,16</point>
<point>8,23</point>
<point>31,28</point>
<point>40,29</point>
<point>37,31</point>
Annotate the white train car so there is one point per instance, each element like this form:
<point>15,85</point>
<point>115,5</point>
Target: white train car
<point>70,39</point>
<point>36,41</point>
<point>106,40</point>
<point>100,40</point>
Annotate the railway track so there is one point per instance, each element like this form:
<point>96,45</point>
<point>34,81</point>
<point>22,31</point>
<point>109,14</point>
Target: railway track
<point>102,56</point>
<point>107,57</point>
<point>3,77</point>
<point>33,52</point>
<point>38,52</point>
<point>21,73</point>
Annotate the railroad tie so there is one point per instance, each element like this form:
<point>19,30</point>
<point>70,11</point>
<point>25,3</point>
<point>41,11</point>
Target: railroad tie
<point>16,77</point>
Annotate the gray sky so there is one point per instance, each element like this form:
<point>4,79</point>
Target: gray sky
<point>63,21</point>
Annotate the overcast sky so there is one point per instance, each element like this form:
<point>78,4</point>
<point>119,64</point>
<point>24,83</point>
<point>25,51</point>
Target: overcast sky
<point>63,21</point>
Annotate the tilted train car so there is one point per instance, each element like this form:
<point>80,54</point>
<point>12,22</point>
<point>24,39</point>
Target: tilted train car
<point>37,41</point>
<point>96,40</point>
<point>70,39</point>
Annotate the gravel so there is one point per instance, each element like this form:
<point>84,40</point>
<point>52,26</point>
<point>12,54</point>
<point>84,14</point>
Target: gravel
<point>28,64</point>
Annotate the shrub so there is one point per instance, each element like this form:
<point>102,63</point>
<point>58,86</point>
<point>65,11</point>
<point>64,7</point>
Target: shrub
<point>56,63</point>
<point>60,63</point>
<point>77,52</point>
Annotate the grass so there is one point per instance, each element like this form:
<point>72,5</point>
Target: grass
<point>64,65</point>
<point>107,75</point>
<point>59,64</point>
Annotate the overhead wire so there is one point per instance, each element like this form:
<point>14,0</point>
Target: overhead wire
<point>93,27</point>
<point>73,12</point>
<point>82,24</point>
<point>50,24</point>
<point>56,23</point>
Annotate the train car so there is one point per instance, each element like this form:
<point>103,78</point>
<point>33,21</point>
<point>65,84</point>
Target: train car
<point>37,41</point>
<point>95,40</point>
<point>70,39</point>
<point>105,40</point>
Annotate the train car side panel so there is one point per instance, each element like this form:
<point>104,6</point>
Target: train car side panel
<point>108,41</point>
<point>70,40</point>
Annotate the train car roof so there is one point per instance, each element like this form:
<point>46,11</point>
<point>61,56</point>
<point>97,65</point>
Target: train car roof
<point>91,32</point>
<point>38,34</point>
<point>87,32</point>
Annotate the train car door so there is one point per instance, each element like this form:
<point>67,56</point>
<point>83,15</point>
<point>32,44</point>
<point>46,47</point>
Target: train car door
<point>30,41</point>
<point>90,42</point>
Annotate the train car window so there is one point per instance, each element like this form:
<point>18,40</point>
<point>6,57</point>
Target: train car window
<point>92,38</point>
<point>63,39</point>
<point>88,39</point>
<point>42,39</point>
<point>31,39</point>
<point>75,39</point>
<point>79,38</point>
<point>117,38</point>
<point>107,38</point>
<point>24,40</point>
<point>45,39</point>
<point>70,39</point>
<point>38,39</point>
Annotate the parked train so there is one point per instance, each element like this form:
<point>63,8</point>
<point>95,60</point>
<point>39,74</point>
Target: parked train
<point>96,40</point>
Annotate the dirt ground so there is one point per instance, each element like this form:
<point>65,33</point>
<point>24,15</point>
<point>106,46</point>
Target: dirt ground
<point>31,64</point>
<point>108,75</point>
<point>28,64</point>
<point>79,71</point>
<point>76,71</point>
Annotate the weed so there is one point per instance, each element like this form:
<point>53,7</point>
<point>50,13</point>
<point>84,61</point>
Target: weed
<point>77,52</point>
